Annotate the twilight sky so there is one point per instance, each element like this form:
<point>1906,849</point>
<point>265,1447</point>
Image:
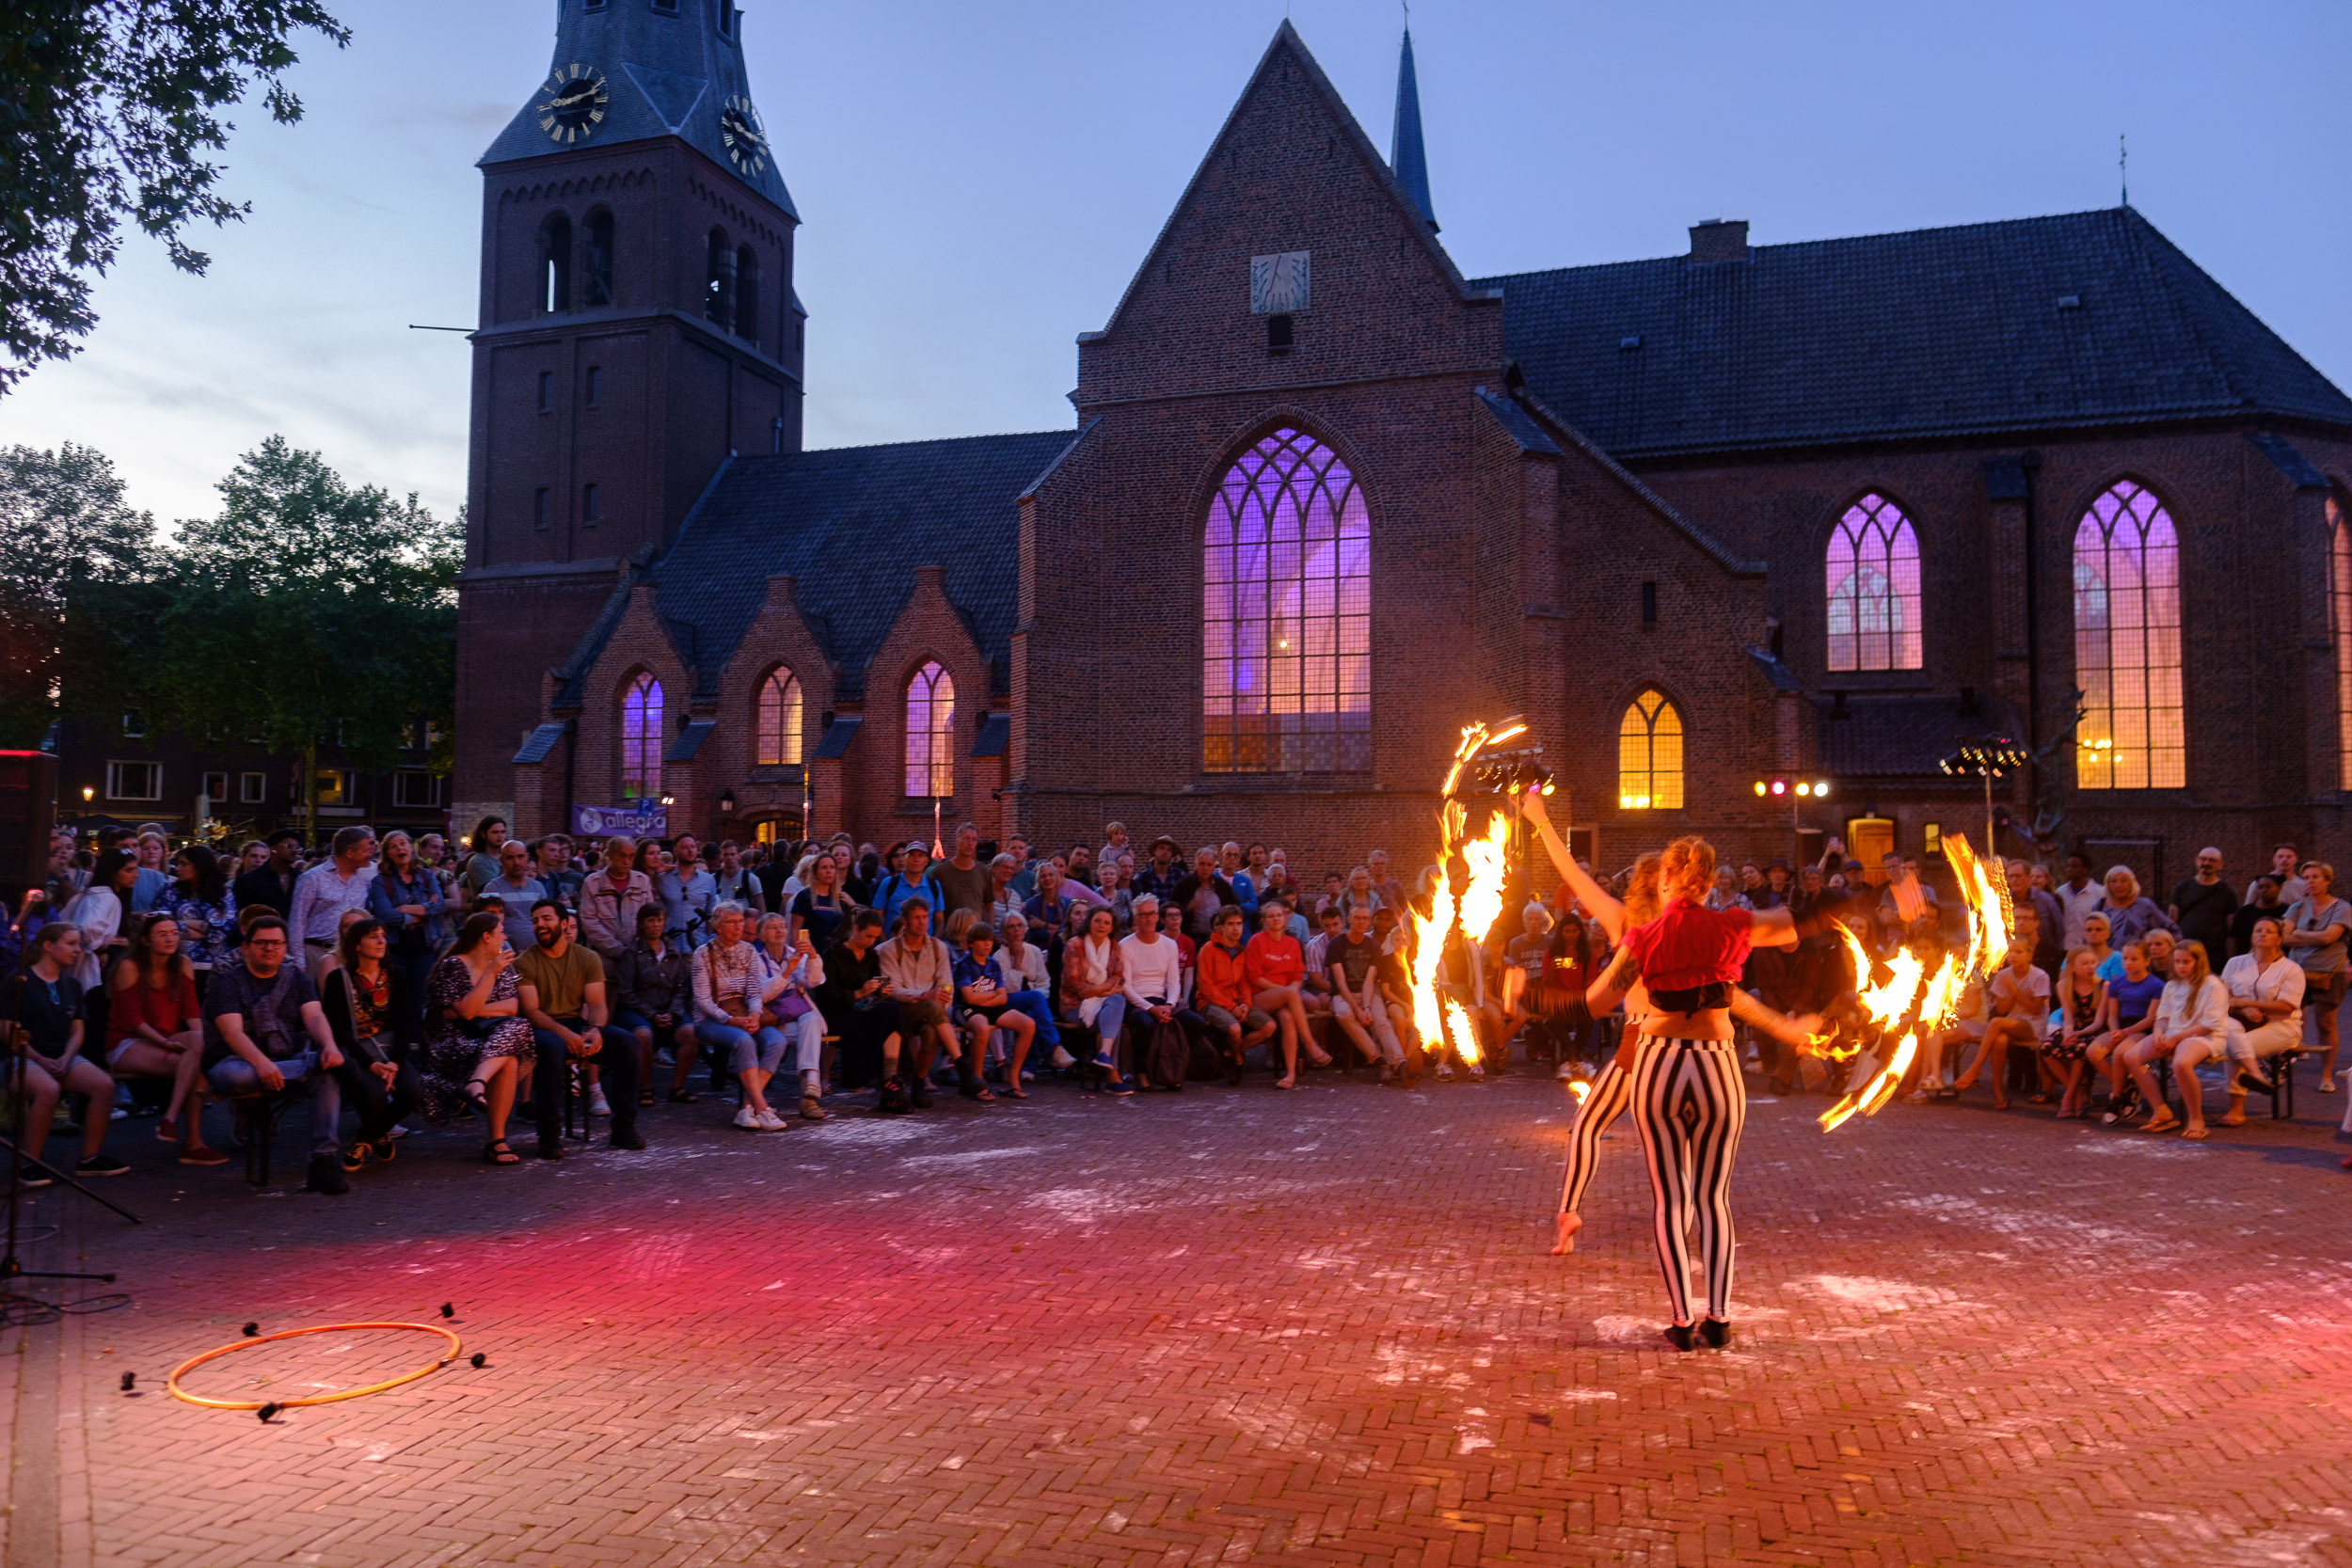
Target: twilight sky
<point>978,183</point>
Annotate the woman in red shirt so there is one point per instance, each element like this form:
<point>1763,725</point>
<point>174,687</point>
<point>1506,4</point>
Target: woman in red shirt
<point>1689,1101</point>
<point>1276,971</point>
<point>154,1030</point>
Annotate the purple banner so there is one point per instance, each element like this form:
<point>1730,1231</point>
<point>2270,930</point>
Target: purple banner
<point>645,819</point>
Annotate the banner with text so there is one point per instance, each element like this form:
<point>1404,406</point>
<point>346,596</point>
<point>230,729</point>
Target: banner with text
<point>642,819</point>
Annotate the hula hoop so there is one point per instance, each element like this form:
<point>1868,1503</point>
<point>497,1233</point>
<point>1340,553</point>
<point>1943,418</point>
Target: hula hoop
<point>172,1383</point>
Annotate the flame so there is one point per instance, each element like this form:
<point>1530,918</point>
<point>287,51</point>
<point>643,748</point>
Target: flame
<point>1987,899</point>
<point>1580,1089</point>
<point>1478,907</point>
<point>1465,1034</point>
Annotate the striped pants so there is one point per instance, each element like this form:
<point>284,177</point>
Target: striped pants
<point>1689,1106</point>
<point>1612,1093</point>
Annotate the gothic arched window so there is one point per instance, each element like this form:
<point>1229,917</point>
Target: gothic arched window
<point>640,739</point>
<point>595,284</point>
<point>719,291</point>
<point>1649,754</point>
<point>1874,589</point>
<point>2127,643</point>
<point>2340,630</point>
<point>930,770</point>
<point>747,294</point>
<point>1286,636</point>
<point>555,265</point>
<point>778,720</point>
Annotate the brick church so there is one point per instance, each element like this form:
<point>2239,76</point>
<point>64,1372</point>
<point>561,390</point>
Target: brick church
<point>1824,510</point>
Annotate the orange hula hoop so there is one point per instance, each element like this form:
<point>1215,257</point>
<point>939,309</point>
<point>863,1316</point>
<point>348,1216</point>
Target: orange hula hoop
<point>172,1383</point>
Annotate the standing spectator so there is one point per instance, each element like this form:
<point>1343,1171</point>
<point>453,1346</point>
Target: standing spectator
<point>406,897</point>
<point>2286,864</point>
<point>1161,877</point>
<point>152,881</point>
<point>486,856</point>
<point>820,908</point>
<point>1229,865</point>
<point>1199,896</point>
<point>911,881</point>
<point>1727,893</point>
<point>207,912</point>
<point>516,889</point>
<point>1386,890</point>
<point>264,1029</point>
<point>1002,900</point>
<point>920,972</point>
<point>2266,905</point>
<point>2077,895</point>
<point>2316,928</point>
<point>609,899</point>
<point>654,1000</point>
<point>554,869</point>
<point>858,1010</point>
<point>328,890</point>
<point>1051,907</point>
<point>867,878</point>
<point>475,1040</point>
<point>688,893</point>
<point>2049,915</point>
<point>46,1015</point>
<point>561,987</point>
<point>775,870</point>
<point>271,884</point>
<point>962,882</point>
<point>368,1013</point>
<point>2202,904</point>
<point>2265,1012</point>
<point>155,1029</point>
<point>2129,915</point>
<point>1023,884</point>
<point>733,882</point>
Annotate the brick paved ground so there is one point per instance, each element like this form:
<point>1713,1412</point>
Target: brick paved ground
<point>1316,1327</point>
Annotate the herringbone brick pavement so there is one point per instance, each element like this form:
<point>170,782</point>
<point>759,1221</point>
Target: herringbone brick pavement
<point>1317,1327</point>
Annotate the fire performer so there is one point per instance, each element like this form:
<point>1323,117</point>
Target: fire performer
<point>1689,1099</point>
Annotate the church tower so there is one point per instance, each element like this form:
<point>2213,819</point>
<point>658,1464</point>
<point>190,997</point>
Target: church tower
<point>638,324</point>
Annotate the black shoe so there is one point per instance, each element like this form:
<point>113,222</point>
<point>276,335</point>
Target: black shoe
<point>892,1098</point>
<point>33,1176</point>
<point>919,1096</point>
<point>627,1140</point>
<point>551,1148</point>
<point>326,1176</point>
<point>100,1164</point>
<point>1716,1332</point>
<point>1680,1336</point>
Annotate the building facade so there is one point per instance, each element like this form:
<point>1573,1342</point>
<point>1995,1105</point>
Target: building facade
<point>1821,511</point>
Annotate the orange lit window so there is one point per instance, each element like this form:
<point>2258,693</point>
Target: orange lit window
<point>2340,625</point>
<point>931,768</point>
<point>1649,755</point>
<point>779,721</point>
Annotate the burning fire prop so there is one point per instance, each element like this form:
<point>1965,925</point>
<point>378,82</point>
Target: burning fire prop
<point>1913,1003</point>
<point>1478,907</point>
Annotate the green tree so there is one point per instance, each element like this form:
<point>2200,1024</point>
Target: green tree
<point>73,554</point>
<point>308,613</point>
<point>107,111</point>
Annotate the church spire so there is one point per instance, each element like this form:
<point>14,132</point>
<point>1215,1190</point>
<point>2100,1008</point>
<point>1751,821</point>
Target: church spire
<point>1406,155</point>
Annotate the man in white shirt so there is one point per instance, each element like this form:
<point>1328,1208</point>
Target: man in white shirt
<point>917,971</point>
<point>2266,1014</point>
<point>2284,862</point>
<point>1155,970</point>
<point>324,893</point>
<point>2077,896</point>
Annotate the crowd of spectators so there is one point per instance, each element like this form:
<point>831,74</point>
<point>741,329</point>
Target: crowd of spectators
<point>411,977</point>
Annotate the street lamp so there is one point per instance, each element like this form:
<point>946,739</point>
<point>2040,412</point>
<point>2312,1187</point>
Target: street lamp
<point>726,802</point>
<point>90,793</point>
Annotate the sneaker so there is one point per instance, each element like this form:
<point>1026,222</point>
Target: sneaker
<point>748,1119</point>
<point>101,1165</point>
<point>1477,1070</point>
<point>628,1139</point>
<point>33,1176</point>
<point>1063,1058</point>
<point>356,1158</point>
<point>771,1122</point>
<point>1445,1073</point>
<point>326,1177</point>
<point>1566,1073</point>
<point>597,1105</point>
<point>2327,1083</point>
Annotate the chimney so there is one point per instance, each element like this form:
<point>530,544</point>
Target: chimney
<point>1720,240</point>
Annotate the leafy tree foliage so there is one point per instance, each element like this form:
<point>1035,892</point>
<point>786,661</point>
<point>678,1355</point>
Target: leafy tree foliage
<point>68,539</point>
<point>107,111</point>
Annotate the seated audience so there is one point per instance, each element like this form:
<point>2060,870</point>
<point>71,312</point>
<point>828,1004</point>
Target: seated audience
<point>2191,1021</point>
<point>922,982</point>
<point>789,972</point>
<point>155,1029</point>
<point>1226,1002</point>
<point>366,1001</point>
<point>728,1018</point>
<point>983,1006</point>
<point>654,1000</point>
<point>2081,1008</point>
<point>859,1012</point>
<point>265,1031</point>
<point>45,1012</point>
<point>2265,1013</point>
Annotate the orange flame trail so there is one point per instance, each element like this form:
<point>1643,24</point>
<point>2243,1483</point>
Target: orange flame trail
<point>1479,907</point>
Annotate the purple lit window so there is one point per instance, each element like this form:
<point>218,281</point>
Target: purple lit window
<point>1286,655</point>
<point>930,772</point>
<point>641,739</point>
<point>2340,625</point>
<point>778,728</point>
<point>1873,588</point>
<point>2127,643</point>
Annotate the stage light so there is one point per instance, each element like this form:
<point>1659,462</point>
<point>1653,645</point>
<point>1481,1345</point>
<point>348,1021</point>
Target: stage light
<point>1820,788</point>
<point>1780,786</point>
<point>1804,788</point>
<point>1759,787</point>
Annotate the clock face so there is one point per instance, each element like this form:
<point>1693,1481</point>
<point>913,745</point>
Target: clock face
<point>571,105</point>
<point>738,128</point>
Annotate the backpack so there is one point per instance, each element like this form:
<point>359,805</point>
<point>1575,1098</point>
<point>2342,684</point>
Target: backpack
<point>1168,1056</point>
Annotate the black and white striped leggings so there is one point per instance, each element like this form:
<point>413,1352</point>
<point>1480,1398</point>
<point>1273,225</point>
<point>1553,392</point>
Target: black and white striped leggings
<point>1612,1095</point>
<point>1689,1106</point>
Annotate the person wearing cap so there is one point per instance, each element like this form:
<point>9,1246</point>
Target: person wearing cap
<point>1160,877</point>
<point>912,879</point>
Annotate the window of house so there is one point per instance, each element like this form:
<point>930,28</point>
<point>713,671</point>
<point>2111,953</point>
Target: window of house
<point>747,294</point>
<point>591,506</point>
<point>595,283</point>
<point>217,787</point>
<point>1874,589</point>
<point>336,787</point>
<point>595,385</point>
<point>2127,643</point>
<point>1649,754</point>
<point>640,739</point>
<point>1286,636</point>
<point>134,726</point>
<point>415,790</point>
<point>778,721</point>
<point>931,769</point>
<point>134,780</point>
<point>253,789</point>
<point>555,265</point>
<point>2340,628</point>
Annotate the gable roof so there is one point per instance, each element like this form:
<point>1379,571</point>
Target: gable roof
<point>851,523</point>
<point>1936,332</point>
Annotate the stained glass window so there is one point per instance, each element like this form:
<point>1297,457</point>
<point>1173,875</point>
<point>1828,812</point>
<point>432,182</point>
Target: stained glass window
<point>930,733</point>
<point>1286,637</point>
<point>778,725</point>
<point>2127,643</point>
<point>640,739</point>
<point>1649,754</point>
<point>2339,627</point>
<point>1874,589</point>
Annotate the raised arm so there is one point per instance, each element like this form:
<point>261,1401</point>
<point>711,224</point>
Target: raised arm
<point>1606,909</point>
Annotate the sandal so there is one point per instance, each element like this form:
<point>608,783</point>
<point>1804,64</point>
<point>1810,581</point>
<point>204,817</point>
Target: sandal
<point>478,1096</point>
<point>1318,1058</point>
<point>2161,1122</point>
<point>1286,1082</point>
<point>2192,1132</point>
<point>497,1154</point>
<point>681,1097</point>
<point>644,1099</point>
<point>1011,1093</point>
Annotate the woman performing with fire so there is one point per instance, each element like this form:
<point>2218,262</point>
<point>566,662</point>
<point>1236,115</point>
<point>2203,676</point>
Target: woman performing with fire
<point>1613,1092</point>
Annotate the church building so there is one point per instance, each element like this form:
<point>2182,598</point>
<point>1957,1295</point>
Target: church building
<point>1828,511</point>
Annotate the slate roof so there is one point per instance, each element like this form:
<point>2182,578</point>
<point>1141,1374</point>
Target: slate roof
<point>851,523</point>
<point>540,741</point>
<point>1936,332</point>
<point>1902,734</point>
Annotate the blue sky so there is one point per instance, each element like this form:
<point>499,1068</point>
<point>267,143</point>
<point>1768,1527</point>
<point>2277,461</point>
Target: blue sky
<point>976,184</point>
